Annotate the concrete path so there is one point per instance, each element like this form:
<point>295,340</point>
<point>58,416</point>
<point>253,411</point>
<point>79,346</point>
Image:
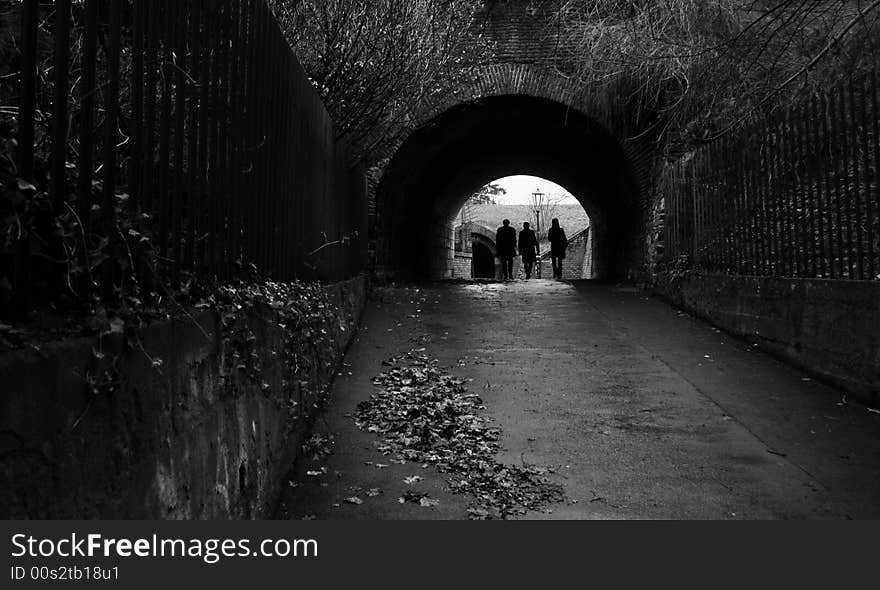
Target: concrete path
<point>642,411</point>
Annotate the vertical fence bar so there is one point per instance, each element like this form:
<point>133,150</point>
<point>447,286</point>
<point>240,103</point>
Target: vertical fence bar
<point>251,134</point>
<point>815,166</point>
<point>268,185</point>
<point>757,173</point>
<point>783,196</point>
<point>749,198</point>
<point>826,230</point>
<point>60,116</point>
<point>873,216</point>
<point>85,165</point>
<point>794,158</point>
<point>856,208</point>
<point>236,185</point>
<point>731,217</point>
<point>795,155</point>
<point>223,194</point>
<point>193,135</point>
<point>721,197</point>
<point>695,205</point>
<point>264,124</point>
<point>679,187</point>
<point>213,26</point>
<point>675,191</point>
<point>711,205</point>
<point>271,192</point>
<point>767,200</point>
<point>706,212</point>
<point>762,174</point>
<point>760,171</point>
<point>151,58</point>
<point>203,226</point>
<point>275,193</point>
<point>866,180</point>
<point>798,175</point>
<point>773,197</point>
<point>844,177</point>
<point>137,104</point>
<point>167,69</point>
<point>111,116</point>
<point>26,118</point>
<point>737,244</point>
<point>59,104</point>
<point>179,198</point>
<point>30,10</point>
<point>722,191</point>
<point>811,207</point>
<point>836,215</point>
<point>674,205</point>
<point>289,218</point>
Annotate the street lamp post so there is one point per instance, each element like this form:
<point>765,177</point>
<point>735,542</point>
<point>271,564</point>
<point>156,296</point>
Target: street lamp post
<point>537,199</point>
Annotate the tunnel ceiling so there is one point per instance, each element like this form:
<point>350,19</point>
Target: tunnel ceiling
<point>467,146</point>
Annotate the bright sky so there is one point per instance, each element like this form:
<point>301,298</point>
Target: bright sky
<point>520,188</point>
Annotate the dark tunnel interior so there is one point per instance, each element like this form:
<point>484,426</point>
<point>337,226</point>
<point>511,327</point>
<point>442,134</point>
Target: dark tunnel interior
<point>467,146</point>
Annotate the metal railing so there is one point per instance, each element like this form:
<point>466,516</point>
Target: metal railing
<point>194,121</point>
<point>795,196</point>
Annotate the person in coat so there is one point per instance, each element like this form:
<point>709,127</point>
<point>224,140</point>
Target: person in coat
<point>505,241</point>
<point>558,244</point>
<point>528,248</point>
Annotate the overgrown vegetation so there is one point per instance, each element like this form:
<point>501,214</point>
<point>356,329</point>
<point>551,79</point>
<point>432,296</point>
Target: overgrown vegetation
<point>309,323</point>
<point>700,67</point>
<point>376,63</point>
<point>687,70</point>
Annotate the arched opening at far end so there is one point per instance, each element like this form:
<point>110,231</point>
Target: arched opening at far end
<point>525,199</point>
<point>483,262</point>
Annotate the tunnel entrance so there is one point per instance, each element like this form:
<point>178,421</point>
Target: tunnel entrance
<point>448,158</point>
<point>483,262</point>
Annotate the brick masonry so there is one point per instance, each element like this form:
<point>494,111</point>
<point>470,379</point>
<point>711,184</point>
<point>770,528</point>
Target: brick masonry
<point>525,65</point>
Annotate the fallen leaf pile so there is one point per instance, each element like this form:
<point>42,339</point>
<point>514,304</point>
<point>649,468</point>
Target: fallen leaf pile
<point>426,415</point>
<point>319,446</point>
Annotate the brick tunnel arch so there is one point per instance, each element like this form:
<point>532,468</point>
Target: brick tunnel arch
<point>483,261</point>
<point>469,144</point>
<point>484,238</point>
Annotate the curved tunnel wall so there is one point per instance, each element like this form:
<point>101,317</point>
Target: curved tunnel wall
<point>468,145</point>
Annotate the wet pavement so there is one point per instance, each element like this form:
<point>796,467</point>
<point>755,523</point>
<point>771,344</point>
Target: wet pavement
<point>639,410</point>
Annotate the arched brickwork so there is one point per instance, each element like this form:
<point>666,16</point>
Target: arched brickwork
<point>524,71</point>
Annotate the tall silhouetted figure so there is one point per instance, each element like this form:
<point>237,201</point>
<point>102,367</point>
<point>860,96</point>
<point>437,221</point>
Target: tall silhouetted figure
<point>505,241</point>
<point>528,248</point>
<point>558,244</point>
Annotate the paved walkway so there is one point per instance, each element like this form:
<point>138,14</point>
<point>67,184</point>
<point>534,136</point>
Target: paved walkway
<point>643,411</point>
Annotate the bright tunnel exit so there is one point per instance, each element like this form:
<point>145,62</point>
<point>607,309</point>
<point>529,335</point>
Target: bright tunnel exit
<point>520,199</point>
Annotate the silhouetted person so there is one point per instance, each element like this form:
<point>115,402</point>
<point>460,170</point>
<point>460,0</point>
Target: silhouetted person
<point>528,248</point>
<point>505,241</point>
<point>558,244</point>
